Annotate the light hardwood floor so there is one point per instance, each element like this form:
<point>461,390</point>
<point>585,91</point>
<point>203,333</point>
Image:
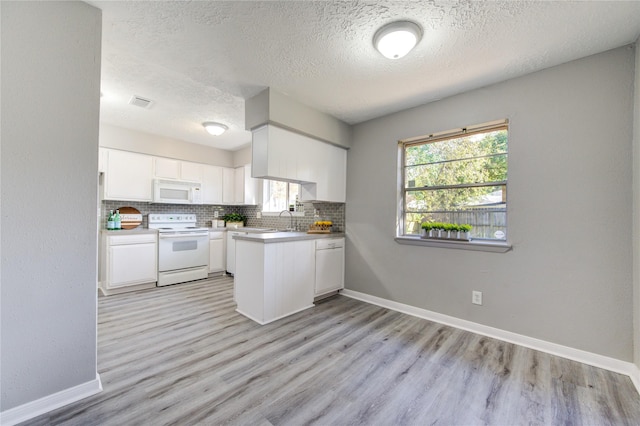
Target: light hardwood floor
<point>181,355</point>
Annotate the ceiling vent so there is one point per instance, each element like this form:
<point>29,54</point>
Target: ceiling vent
<point>140,102</point>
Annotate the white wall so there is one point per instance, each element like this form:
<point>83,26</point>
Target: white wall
<point>50,110</point>
<point>146,143</point>
<point>242,157</point>
<point>568,279</point>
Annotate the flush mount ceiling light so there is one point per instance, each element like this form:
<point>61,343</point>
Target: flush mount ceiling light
<point>396,39</point>
<point>216,129</point>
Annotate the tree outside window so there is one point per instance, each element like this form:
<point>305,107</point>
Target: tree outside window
<point>460,178</point>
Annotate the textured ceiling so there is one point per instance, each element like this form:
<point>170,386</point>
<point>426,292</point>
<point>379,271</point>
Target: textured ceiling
<point>200,60</point>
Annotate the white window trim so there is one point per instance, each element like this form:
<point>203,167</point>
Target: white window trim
<point>265,183</point>
<point>496,246</point>
<point>475,245</point>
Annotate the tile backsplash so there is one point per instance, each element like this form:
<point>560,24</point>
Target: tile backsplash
<point>205,213</point>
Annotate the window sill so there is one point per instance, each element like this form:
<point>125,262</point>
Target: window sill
<point>495,247</point>
<point>276,214</point>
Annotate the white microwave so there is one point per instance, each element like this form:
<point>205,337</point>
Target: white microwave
<point>176,192</point>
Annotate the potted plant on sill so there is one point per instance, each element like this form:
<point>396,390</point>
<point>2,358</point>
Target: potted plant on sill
<point>464,230</point>
<point>427,230</point>
<point>234,220</point>
<point>439,231</point>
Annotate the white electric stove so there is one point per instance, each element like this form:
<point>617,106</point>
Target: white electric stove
<point>183,248</point>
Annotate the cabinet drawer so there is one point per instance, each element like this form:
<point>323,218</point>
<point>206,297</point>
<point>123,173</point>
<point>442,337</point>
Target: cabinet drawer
<point>117,240</point>
<point>216,235</point>
<point>329,243</point>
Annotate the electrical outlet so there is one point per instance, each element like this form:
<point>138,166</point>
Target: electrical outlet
<point>259,215</point>
<point>215,213</point>
<point>476,297</point>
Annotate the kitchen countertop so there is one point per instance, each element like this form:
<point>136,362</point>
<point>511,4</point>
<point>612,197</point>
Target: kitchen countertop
<point>281,237</point>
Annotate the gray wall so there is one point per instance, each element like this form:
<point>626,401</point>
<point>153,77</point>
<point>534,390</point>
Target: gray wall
<point>271,106</point>
<point>50,110</point>
<point>568,279</point>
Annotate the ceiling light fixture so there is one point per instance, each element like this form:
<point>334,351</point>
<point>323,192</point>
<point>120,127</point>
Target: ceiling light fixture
<point>216,129</point>
<point>396,39</point>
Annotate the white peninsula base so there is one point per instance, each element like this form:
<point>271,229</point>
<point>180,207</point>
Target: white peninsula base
<point>274,279</point>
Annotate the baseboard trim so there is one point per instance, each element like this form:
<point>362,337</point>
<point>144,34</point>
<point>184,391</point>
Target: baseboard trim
<point>51,402</point>
<point>596,360</point>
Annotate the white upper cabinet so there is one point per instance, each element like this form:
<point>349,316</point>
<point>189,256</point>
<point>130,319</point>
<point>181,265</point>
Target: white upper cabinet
<point>193,172</point>
<point>320,167</point>
<point>247,189</point>
<point>128,176</point>
<point>228,185</point>
<point>211,184</point>
<point>166,168</point>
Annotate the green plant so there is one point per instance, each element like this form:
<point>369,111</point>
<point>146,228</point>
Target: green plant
<point>465,227</point>
<point>427,226</point>
<point>234,217</point>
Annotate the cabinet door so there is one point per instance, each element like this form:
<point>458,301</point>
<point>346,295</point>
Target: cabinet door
<point>216,255</point>
<point>102,160</point>
<point>293,284</point>
<point>252,188</point>
<point>193,172</point>
<point>238,189</point>
<point>128,176</point>
<point>211,185</point>
<point>228,185</point>
<point>329,270</point>
<point>132,264</point>
<point>166,168</point>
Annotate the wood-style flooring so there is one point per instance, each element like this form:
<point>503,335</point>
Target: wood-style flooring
<point>181,355</point>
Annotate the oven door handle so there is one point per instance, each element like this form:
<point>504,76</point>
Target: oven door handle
<point>203,234</point>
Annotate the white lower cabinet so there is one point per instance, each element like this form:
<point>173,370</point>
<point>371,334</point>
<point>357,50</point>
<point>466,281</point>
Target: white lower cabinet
<point>217,255</point>
<point>274,280</point>
<point>129,262</point>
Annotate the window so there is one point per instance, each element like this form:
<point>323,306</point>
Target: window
<point>278,195</point>
<point>459,177</point>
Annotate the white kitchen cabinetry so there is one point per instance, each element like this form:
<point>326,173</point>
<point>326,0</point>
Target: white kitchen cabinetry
<point>285,155</point>
<point>331,184</point>
<point>247,190</point>
<point>228,185</point>
<point>129,262</point>
<point>329,265</point>
<point>191,172</point>
<point>128,176</point>
<point>102,160</point>
<point>211,184</point>
<point>274,280</point>
<point>231,251</point>
<point>275,153</point>
<point>166,168</point>
<point>217,254</point>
